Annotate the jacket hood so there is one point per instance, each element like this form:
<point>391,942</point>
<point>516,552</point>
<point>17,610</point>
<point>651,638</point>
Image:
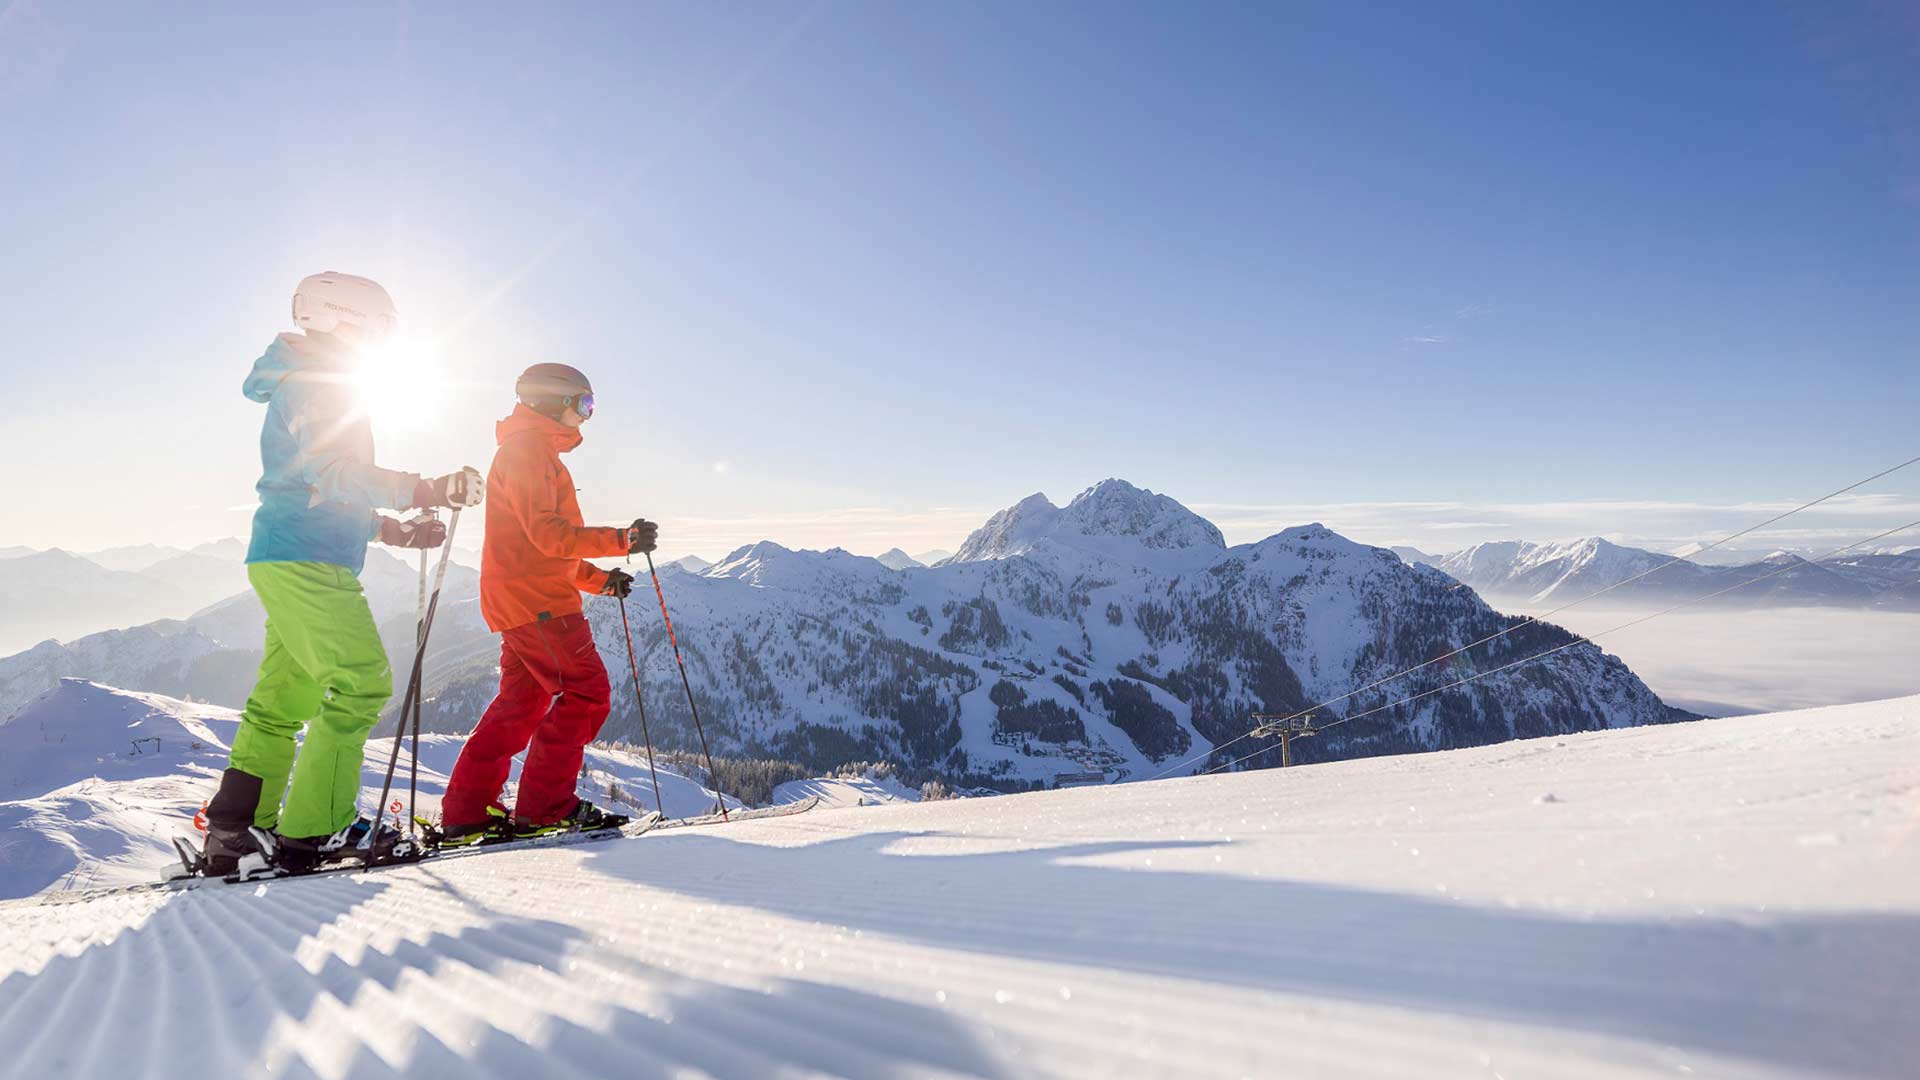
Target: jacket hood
<point>523,420</point>
<point>288,353</point>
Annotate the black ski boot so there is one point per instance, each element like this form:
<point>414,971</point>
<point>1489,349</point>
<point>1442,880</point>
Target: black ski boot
<point>221,852</point>
<point>305,854</point>
<point>585,817</point>
<point>229,827</point>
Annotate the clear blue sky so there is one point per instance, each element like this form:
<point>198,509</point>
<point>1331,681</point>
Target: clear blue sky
<point>861,273</point>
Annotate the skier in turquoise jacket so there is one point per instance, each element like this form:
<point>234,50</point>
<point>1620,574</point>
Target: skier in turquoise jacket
<point>324,668</point>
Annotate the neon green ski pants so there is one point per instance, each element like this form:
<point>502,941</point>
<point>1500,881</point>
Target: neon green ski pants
<point>324,669</point>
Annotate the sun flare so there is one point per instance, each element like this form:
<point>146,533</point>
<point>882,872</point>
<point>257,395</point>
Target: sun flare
<point>397,384</point>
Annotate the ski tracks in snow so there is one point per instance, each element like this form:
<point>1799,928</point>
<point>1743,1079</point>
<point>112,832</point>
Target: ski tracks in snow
<point>1427,916</point>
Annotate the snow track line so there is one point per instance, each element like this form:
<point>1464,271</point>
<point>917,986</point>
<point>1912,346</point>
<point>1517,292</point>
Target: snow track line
<point>1533,619</point>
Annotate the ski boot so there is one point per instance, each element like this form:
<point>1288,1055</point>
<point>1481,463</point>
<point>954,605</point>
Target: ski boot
<point>585,817</point>
<point>225,851</point>
<point>363,840</point>
<point>232,844</point>
<point>497,827</point>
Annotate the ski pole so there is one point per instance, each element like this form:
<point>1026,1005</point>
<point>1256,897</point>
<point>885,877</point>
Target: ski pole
<point>413,688</point>
<point>712,773</point>
<point>420,653</point>
<point>639,700</point>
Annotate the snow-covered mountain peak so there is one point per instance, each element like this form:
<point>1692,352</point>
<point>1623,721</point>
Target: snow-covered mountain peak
<point>692,564</point>
<point>754,561</point>
<point>895,559</point>
<point>1111,509</point>
<point>1542,566</point>
<point>1320,541</point>
<point>1492,557</point>
<point>1308,533</point>
<point>767,564</point>
<point>1011,531</point>
<point>1116,508</point>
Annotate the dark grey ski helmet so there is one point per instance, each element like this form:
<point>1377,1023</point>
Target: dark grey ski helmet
<point>552,388</point>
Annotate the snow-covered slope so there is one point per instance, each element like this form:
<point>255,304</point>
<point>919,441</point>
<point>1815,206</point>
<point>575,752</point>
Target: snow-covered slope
<point>864,790</point>
<point>94,782</point>
<point>1733,898</point>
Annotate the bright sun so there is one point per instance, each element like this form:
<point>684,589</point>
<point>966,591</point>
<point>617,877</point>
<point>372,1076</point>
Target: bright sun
<point>397,385</point>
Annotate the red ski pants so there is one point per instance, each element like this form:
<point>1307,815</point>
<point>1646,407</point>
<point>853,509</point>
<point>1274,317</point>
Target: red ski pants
<point>553,698</point>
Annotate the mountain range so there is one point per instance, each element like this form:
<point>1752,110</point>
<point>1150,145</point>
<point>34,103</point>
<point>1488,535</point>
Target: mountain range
<point>58,594</point>
<point>1517,571</point>
<point>1115,637</point>
<point>213,654</point>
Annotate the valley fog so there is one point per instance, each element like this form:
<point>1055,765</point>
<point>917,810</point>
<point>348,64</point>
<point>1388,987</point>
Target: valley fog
<point>1726,663</point>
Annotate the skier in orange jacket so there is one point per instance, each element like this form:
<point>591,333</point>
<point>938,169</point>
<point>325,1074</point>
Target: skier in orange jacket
<point>554,693</point>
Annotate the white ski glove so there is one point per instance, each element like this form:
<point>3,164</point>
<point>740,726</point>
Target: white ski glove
<point>464,488</point>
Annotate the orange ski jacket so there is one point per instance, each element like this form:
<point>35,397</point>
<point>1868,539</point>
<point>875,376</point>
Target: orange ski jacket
<point>532,563</point>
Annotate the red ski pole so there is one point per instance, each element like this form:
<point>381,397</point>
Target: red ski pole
<point>691,708</point>
<point>658,804</point>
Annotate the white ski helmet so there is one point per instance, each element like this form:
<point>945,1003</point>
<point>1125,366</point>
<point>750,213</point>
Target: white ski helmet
<point>325,302</point>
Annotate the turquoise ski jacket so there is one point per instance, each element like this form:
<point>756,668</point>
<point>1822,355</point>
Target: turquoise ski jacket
<point>318,484</point>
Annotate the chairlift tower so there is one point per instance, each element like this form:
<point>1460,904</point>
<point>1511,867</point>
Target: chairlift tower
<point>1289,726</point>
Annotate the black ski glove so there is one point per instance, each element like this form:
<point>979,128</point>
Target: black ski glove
<point>421,532</point>
<point>619,583</point>
<point>641,536</point>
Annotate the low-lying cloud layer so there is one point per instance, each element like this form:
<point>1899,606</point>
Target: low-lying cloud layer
<point>1760,661</point>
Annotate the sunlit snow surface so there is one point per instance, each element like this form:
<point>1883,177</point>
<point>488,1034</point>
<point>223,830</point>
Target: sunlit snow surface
<point>95,782</point>
<point>1728,898</point>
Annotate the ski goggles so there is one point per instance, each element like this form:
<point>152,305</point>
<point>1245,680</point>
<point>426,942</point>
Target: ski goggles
<point>584,406</point>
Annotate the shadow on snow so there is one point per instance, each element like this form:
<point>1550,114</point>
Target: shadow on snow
<point>1805,992</point>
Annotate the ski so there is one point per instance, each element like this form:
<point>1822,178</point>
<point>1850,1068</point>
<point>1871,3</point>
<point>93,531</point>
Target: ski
<point>783,810</point>
<point>188,879</point>
<point>639,826</point>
